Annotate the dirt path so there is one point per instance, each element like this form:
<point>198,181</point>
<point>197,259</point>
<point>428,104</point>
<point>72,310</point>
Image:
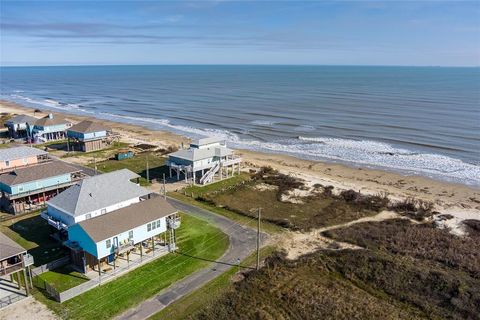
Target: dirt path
<point>297,244</point>
<point>28,308</point>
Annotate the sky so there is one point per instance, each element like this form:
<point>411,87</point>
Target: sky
<point>426,33</point>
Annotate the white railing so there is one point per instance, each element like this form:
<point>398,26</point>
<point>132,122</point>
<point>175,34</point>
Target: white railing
<point>173,223</point>
<point>28,260</point>
<point>207,177</point>
<point>53,222</point>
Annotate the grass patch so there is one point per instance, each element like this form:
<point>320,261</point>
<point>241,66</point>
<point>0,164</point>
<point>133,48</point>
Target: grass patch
<point>219,186</point>
<point>195,237</point>
<point>33,233</point>
<point>137,164</point>
<point>61,279</point>
<point>213,290</point>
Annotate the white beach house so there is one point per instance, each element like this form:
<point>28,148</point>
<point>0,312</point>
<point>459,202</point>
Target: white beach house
<point>204,161</point>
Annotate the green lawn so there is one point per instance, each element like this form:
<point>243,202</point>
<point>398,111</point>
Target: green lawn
<point>61,279</point>
<point>137,164</point>
<point>188,305</point>
<point>196,238</point>
<point>33,233</point>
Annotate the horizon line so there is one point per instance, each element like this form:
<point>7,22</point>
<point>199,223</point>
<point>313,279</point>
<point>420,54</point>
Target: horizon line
<point>237,64</point>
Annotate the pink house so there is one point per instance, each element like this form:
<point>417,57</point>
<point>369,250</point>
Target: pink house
<point>16,157</point>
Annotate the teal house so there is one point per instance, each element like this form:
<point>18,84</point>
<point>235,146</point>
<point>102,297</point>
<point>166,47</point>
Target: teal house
<point>28,188</point>
<point>97,242</point>
<point>49,128</point>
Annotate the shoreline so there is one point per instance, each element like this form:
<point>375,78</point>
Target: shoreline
<point>448,197</point>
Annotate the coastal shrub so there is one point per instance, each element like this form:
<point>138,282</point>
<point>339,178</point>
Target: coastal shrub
<point>348,284</point>
<point>273,177</point>
<point>419,241</point>
<point>414,208</point>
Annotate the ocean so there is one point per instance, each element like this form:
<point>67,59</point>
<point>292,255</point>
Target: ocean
<point>415,120</point>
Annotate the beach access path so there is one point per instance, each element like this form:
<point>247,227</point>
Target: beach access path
<point>242,244</point>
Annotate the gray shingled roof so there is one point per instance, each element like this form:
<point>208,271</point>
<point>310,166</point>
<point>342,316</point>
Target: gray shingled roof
<point>125,219</point>
<point>8,247</point>
<point>98,192</point>
<point>47,121</point>
<point>21,152</point>
<point>21,119</point>
<point>88,126</point>
<point>207,140</point>
<point>36,172</point>
<point>194,154</point>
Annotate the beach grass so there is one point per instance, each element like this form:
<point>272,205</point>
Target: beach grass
<point>34,234</point>
<point>202,241</point>
<point>213,290</point>
<point>137,164</point>
<point>99,154</point>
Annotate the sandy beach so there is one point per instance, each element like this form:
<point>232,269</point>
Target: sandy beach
<point>448,197</point>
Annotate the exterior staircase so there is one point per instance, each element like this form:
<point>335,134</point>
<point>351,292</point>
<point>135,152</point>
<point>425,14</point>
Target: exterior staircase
<point>208,176</point>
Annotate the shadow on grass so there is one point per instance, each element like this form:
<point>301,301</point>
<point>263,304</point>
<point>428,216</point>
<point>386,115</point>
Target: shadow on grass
<point>36,230</point>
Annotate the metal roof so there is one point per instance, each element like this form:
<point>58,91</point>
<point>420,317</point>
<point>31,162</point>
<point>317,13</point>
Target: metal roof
<point>21,152</point>
<point>22,118</point>
<point>36,172</point>
<point>88,126</point>
<point>207,140</point>
<point>194,154</point>
<point>98,192</point>
<point>125,219</point>
<point>9,248</point>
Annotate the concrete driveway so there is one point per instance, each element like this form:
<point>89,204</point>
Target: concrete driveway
<point>242,244</point>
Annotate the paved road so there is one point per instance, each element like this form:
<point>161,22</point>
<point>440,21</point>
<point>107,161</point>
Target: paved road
<point>242,244</point>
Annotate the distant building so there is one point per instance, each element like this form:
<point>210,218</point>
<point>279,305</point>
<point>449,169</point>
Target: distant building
<point>18,126</point>
<point>88,136</point>
<point>49,128</point>
<point>15,260</point>
<point>16,157</point>
<point>96,242</point>
<point>205,160</point>
<point>28,188</point>
<point>94,196</point>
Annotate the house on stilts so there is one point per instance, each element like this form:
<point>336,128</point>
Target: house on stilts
<point>206,160</point>
<point>109,216</point>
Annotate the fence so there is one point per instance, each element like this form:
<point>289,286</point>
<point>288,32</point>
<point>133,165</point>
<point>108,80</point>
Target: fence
<point>51,265</point>
<point>75,291</point>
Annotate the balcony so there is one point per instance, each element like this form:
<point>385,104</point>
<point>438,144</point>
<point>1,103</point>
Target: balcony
<point>28,259</point>
<point>173,222</point>
<point>53,222</point>
<point>6,270</point>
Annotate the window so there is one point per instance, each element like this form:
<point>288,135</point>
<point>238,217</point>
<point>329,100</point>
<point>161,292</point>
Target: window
<point>7,163</point>
<point>149,227</point>
<point>130,234</point>
<point>20,188</point>
<point>104,211</point>
<point>109,243</point>
<point>88,216</point>
<point>158,224</point>
<point>25,160</point>
<point>154,225</point>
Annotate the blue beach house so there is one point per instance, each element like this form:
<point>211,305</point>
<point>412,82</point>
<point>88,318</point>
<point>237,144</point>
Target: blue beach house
<point>49,128</point>
<point>28,188</point>
<point>88,136</point>
<point>141,228</point>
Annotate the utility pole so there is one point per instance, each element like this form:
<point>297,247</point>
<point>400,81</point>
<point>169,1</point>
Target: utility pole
<point>148,172</point>
<point>164,188</point>
<point>258,238</point>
